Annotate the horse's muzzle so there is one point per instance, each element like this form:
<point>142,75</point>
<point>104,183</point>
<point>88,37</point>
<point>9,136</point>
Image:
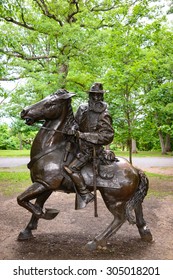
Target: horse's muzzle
<point>23,113</point>
<point>28,120</point>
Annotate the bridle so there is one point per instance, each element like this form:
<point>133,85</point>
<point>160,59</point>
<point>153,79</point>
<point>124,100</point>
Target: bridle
<point>50,129</point>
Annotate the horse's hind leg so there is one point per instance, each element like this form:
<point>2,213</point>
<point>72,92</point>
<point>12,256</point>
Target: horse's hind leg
<point>144,231</point>
<point>27,232</point>
<point>101,239</point>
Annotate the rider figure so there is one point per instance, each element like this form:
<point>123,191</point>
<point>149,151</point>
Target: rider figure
<point>94,129</point>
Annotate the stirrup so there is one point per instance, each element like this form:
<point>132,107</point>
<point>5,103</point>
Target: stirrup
<point>88,197</point>
<point>82,200</point>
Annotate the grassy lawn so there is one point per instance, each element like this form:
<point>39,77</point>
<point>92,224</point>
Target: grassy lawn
<point>143,154</point>
<point>13,181</point>
<point>16,180</point>
<point>14,153</point>
<point>20,153</point>
<point>160,185</point>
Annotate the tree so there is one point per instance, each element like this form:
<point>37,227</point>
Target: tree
<point>126,69</point>
<point>71,43</point>
<point>7,140</point>
<point>158,83</point>
<point>48,37</point>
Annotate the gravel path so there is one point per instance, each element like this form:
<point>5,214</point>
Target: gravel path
<point>13,161</point>
<point>142,162</point>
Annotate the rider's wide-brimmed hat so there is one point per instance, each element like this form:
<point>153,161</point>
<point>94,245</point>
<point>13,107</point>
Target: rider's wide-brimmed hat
<point>64,94</point>
<point>96,88</point>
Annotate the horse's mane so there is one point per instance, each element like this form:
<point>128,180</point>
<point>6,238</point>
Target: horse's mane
<point>70,121</point>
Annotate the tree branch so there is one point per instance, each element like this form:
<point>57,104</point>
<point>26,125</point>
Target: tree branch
<point>10,19</point>
<point>22,56</point>
<point>44,8</point>
<point>71,16</point>
<point>10,79</point>
<point>100,8</point>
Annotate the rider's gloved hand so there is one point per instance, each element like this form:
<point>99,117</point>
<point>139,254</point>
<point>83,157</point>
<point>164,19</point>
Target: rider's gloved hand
<point>78,134</point>
<point>73,130</point>
<point>109,155</point>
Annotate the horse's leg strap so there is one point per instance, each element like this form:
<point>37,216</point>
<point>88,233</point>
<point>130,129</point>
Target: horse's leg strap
<point>40,155</point>
<point>46,185</point>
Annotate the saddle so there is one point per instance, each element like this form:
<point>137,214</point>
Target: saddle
<point>107,176</point>
<point>106,168</point>
<point>106,171</point>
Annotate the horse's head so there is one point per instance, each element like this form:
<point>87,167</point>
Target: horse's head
<point>47,109</point>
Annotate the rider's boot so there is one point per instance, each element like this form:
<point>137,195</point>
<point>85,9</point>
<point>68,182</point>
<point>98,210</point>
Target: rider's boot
<point>84,196</point>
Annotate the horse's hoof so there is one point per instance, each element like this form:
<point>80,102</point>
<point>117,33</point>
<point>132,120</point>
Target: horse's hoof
<point>50,214</point>
<point>25,235</point>
<point>146,235</point>
<point>91,245</point>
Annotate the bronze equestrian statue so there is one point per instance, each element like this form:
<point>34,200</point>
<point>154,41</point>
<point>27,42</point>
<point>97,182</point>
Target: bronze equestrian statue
<point>57,158</point>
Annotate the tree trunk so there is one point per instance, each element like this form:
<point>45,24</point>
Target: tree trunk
<point>162,144</point>
<point>129,144</point>
<point>20,139</point>
<point>134,149</point>
<point>168,143</point>
<point>107,147</point>
<point>63,71</point>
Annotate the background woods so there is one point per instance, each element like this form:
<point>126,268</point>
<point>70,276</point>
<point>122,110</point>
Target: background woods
<point>127,45</point>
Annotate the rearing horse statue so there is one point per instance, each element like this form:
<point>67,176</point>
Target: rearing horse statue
<point>52,149</point>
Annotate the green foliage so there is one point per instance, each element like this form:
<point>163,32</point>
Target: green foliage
<point>16,137</point>
<point>126,44</point>
<point>7,141</point>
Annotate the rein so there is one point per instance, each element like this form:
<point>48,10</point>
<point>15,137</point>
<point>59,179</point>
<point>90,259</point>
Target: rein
<point>40,155</point>
<point>50,129</point>
<point>49,150</point>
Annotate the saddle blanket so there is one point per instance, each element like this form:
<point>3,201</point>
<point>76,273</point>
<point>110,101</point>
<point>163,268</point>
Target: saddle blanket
<point>109,180</point>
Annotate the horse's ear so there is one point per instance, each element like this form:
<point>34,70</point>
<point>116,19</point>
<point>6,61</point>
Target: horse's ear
<point>64,94</point>
<point>67,95</point>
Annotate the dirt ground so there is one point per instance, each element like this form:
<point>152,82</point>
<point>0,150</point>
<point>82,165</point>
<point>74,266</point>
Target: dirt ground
<point>65,237</point>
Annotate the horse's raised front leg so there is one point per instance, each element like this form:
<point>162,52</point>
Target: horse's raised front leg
<point>34,191</point>
<point>144,231</point>
<point>101,239</point>
<point>32,225</point>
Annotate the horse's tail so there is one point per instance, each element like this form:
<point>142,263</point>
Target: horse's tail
<point>138,197</point>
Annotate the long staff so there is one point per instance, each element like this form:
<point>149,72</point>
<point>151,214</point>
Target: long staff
<point>94,181</point>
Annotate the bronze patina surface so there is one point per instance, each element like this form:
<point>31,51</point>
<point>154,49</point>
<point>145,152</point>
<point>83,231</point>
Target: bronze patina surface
<point>67,155</point>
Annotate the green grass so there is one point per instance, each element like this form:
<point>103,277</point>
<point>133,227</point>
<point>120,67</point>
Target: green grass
<point>14,153</point>
<point>160,185</point>
<point>20,153</point>
<point>159,176</point>
<point>159,194</point>
<point>15,180</point>
<point>12,182</point>
<point>143,154</point>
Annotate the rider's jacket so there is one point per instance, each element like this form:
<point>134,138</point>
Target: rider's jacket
<point>95,126</point>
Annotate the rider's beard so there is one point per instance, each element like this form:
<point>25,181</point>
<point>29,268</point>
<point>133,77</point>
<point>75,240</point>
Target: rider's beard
<point>97,106</point>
